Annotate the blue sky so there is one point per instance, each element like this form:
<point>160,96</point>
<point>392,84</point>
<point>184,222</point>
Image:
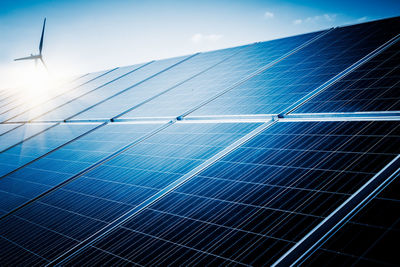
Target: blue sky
<point>84,36</point>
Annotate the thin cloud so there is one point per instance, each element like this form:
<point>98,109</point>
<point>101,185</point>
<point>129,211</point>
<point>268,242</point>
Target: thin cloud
<point>297,21</point>
<point>200,38</point>
<point>328,17</point>
<point>269,15</point>
<point>362,19</point>
<point>316,19</point>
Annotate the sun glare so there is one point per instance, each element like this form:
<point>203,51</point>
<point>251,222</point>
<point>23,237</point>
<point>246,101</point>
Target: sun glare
<point>35,85</point>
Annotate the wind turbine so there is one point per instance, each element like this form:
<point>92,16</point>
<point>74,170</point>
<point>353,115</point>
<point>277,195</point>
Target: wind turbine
<point>38,56</point>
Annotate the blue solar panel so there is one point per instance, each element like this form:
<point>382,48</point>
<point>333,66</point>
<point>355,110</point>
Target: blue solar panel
<point>160,83</point>
<point>39,145</point>
<point>255,203</point>
<point>375,86</point>
<point>61,219</point>
<point>291,79</point>
<point>219,78</point>
<point>368,239</point>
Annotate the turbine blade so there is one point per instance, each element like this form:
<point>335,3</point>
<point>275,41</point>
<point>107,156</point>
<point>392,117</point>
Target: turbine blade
<point>35,62</point>
<point>44,64</point>
<point>41,38</point>
<point>25,58</point>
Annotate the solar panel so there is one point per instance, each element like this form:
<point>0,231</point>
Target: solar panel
<point>370,238</point>
<point>85,205</point>
<point>255,203</point>
<point>220,77</point>
<point>372,87</point>
<point>39,145</point>
<point>164,81</point>
<point>280,86</point>
<point>109,90</point>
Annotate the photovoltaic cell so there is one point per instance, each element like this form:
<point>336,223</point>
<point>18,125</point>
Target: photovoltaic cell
<point>219,78</point>
<point>108,91</point>
<point>255,203</point>
<point>291,79</point>
<point>158,84</point>
<point>375,86</point>
<point>68,215</point>
<point>39,145</point>
<point>368,239</point>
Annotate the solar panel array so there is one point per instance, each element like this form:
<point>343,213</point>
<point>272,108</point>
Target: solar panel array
<point>274,153</point>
